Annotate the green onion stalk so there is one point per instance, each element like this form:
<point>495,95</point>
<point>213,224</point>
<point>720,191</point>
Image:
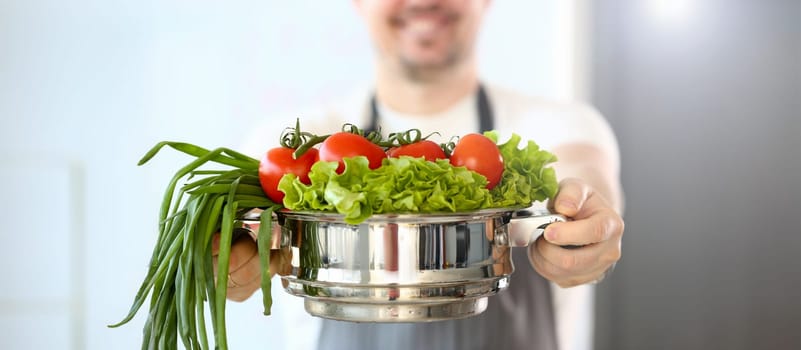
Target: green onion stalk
<point>180,279</point>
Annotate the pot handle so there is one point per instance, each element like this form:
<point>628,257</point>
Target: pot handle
<point>528,224</point>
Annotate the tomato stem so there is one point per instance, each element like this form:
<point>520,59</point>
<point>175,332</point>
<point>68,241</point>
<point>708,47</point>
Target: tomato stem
<point>293,137</point>
<point>301,141</point>
<point>373,136</point>
<point>449,146</point>
<point>408,137</point>
<point>308,144</point>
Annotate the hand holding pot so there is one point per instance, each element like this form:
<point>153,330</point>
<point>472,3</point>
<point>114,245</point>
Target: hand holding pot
<point>596,228</point>
<point>244,268</point>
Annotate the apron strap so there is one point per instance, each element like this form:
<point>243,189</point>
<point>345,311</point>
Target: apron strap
<point>486,118</point>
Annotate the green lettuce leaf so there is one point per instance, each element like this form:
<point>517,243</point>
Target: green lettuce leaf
<point>526,179</point>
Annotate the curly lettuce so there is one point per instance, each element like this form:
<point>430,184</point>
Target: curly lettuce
<point>415,185</point>
<point>526,179</point>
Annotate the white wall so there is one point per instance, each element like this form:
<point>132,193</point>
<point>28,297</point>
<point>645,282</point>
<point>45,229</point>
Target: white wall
<point>86,87</point>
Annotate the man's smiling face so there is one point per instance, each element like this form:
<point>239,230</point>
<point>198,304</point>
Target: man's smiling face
<point>423,35</point>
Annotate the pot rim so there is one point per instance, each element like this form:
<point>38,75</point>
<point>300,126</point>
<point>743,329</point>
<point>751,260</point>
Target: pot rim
<point>323,216</point>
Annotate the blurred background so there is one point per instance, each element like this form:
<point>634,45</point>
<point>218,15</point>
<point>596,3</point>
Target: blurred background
<point>705,97</point>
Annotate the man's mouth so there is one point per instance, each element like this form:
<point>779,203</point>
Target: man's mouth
<point>423,22</point>
<point>422,26</point>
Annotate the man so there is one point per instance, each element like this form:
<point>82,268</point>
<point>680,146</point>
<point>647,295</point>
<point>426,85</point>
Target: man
<point>426,77</point>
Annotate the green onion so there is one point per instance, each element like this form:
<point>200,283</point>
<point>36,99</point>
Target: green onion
<point>180,278</point>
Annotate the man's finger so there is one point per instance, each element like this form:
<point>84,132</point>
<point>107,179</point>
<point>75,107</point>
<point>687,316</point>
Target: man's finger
<point>567,270</point>
<point>242,251</point>
<point>281,261</point>
<point>567,281</point>
<point>215,244</point>
<point>236,235</point>
<point>580,260</point>
<point>571,197</point>
<point>243,292</point>
<point>601,226</point>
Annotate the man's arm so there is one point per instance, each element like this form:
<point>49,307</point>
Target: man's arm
<point>590,194</point>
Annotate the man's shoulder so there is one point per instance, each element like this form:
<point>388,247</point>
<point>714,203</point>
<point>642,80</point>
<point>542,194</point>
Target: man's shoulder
<point>550,122</point>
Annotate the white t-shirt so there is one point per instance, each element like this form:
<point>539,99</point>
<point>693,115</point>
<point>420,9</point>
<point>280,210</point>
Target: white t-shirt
<point>548,123</point>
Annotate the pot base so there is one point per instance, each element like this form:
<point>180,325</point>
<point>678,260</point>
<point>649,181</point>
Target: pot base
<point>395,312</point>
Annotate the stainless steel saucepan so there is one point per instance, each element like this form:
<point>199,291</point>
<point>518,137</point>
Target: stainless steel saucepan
<point>406,267</point>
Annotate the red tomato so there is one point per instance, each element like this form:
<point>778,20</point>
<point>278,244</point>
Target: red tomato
<point>346,145</point>
<point>425,148</point>
<point>277,162</point>
<point>478,153</point>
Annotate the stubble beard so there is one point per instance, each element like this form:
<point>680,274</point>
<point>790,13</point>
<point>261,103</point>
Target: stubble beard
<point>426,72</point>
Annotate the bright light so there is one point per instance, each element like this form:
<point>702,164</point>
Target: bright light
<point>670,11</point>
